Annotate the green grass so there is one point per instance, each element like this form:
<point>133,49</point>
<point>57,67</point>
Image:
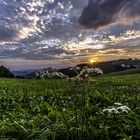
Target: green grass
<point>30,109</point>
<point>124,72</point>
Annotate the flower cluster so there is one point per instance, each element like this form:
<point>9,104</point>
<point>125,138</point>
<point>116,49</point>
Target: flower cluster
<point>50,74</point>
<point>119,108</point>
<point>76,78</point>
<point>90,72</point>
<point>85,73</point>
<point>81,73</point>
<point>76,68</point>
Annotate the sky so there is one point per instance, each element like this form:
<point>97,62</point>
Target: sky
<point>61,33</point>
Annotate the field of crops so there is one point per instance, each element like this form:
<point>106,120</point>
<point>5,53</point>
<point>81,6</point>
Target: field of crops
<point>105,109</point>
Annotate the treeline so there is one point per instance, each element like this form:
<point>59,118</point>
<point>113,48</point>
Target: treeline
<point>5,72</point>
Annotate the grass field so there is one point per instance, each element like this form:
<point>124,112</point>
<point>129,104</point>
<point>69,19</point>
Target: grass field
<point>108,109</point>
<point>125,72</point>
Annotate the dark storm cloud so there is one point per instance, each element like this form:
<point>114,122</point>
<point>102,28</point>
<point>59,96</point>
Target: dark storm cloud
<point>100,13</point>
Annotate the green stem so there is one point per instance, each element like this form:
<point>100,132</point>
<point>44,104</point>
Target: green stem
<point>76,117</point>
<point>60,107</point>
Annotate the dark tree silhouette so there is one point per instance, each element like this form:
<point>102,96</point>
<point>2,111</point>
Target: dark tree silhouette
<point>4,72</point>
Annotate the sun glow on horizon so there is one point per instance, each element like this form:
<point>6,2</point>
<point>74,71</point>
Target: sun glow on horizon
<point>93,60</point>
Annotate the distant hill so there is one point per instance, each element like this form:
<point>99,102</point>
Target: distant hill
<point>25,73</point>
<point>116,65</point>
<point>125,72</point>
<point>5,72</point>
<point>107,67</point>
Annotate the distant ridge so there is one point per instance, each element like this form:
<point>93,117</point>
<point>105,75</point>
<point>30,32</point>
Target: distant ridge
<point>107,67</point>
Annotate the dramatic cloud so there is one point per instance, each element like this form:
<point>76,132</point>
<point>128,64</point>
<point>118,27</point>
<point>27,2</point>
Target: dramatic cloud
<point>47,32</point>
<point>101,13</point>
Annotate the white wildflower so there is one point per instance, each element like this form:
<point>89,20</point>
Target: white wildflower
<point>118,104</point>
<point>111,110</point>
<point>76,78</point>
<point>50,74</point>
<point>124,109</point>
<point>90,72</point>
<point>41,97</point>
<point>116,110</point>
<point>22,121</point>
<point>75,68</point>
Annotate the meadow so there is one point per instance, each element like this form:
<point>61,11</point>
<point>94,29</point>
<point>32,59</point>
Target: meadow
<point>105,109</point>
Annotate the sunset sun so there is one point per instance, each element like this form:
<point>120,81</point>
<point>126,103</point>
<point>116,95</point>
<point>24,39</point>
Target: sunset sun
<point>93,60</point>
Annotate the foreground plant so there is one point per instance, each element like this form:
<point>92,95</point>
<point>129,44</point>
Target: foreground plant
<point>80,84</point>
